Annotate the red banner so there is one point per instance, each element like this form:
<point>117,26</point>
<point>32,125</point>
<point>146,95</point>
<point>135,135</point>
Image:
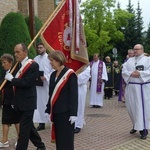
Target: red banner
<point>65,32</point>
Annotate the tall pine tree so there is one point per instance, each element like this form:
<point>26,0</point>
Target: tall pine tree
<point>130,29</point>
<point>147,40</point>
<point>126,44</point>
<point>139,25</point>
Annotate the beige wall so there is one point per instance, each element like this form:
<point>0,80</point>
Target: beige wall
<point>45,8</point>
<point>7,6</point>
<point>42,8</point>
<point>23,7</point>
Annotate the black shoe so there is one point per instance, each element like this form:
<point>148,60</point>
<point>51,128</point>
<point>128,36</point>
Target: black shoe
<point>41,148</point>
<point>143,137</point>
<point>41,127</point>
<point>77,130</point>
<point>94,106</point>
<point>97,106</point>
<point>132,131</point>
<point>144,134</point>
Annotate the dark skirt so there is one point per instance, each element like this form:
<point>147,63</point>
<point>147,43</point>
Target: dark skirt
<point>64,132</point>
<point>9,115</point>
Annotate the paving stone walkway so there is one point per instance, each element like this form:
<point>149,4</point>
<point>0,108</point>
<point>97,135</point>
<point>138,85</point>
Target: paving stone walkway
<point>106,128</point>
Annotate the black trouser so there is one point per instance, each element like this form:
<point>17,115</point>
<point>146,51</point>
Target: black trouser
<point>28,131</point>
<point>108,93</point>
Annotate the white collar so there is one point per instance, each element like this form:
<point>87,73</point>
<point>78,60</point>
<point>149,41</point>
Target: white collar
<point>8,71</point>
<point>23,61</point>
<point>139,57</point>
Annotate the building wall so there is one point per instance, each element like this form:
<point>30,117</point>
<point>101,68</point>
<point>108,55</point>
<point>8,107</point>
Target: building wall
<point>45,9</point>
<point>42,8</point>
<point>7,6</point>
<point>23,7</point>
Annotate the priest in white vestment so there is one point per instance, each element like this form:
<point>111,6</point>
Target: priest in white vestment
<point>42,90</point>
<point>136,74</point>
<point>83,78</point>
<point>98,78</point>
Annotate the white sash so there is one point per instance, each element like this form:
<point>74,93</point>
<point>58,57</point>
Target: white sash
<point>58,85</point>
<point>20,71</point>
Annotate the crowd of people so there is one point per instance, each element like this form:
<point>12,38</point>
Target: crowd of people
<point>44,90</point>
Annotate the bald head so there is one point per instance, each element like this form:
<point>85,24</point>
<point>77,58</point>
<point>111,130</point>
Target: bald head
<point>107,58</point>
<point>115,63</point>
<point>138,50</point>
<point>96,57</point>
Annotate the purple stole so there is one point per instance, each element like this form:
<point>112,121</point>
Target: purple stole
<point>99,75</point>
<point>122,87</point>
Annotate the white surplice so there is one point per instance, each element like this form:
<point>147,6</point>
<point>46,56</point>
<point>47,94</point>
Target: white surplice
<point>83,78</point>
<point>133,95</point>
<point>96,98</point>
<point>42,91</point>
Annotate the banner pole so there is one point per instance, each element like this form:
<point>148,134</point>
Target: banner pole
<point>39,32</point>
<point>45,24</point>
<point>4,82</point>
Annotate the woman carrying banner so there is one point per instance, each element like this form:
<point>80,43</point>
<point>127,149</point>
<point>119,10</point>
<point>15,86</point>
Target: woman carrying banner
<point>9,115</point>
<point>63,102</point>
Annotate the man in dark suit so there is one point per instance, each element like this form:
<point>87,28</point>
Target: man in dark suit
<point>25,97</point>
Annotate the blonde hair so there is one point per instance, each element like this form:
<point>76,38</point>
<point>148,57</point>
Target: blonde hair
<point>58,56</point>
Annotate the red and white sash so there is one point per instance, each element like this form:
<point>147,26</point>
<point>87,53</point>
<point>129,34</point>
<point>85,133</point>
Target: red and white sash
<point>55,95</point>
<point>24,68</point>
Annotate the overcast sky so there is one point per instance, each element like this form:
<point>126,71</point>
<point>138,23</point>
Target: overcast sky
<point>144,5</point>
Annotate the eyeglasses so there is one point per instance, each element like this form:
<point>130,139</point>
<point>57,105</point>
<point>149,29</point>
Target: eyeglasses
<point>136,49</point>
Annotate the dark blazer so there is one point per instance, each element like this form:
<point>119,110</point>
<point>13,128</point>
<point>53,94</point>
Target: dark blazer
<point>8,91</point>
<point>25,93</point>
<point>68,99</point>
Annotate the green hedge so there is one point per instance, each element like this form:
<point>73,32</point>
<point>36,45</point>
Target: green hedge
<point>37,26</point>
<point>14,30</point>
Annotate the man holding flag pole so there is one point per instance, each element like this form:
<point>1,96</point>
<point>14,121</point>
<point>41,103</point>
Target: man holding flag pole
<point>64,31</point>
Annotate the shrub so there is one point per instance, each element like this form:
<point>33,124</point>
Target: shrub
<point>13,30</point>
<point>37,26</point>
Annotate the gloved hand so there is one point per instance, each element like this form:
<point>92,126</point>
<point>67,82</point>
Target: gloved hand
<point>9,76</point>
<point>12,106</point>
<point>73,119</point>
<point>47,117</point>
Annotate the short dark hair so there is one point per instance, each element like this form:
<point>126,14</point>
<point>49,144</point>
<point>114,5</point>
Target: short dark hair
<point>24,47</point>
<point>40,44</point>
<point>7,57</point>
